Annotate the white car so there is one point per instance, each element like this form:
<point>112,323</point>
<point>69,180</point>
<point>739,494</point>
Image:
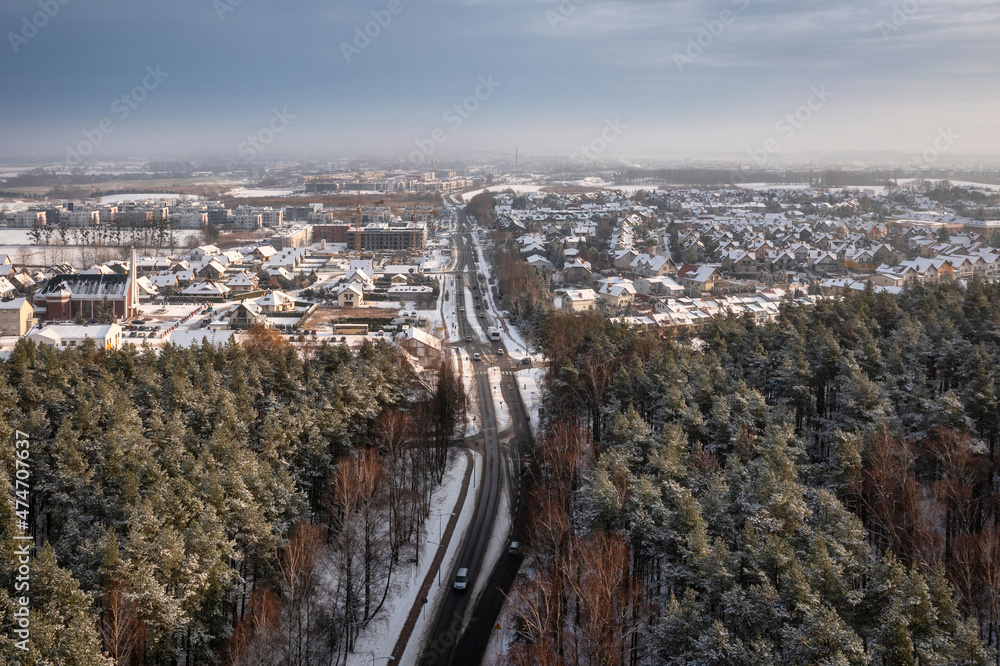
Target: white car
<point>462,579</point>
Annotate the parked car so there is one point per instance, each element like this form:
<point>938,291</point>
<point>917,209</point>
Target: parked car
<point>462,579</point>
<point>476,356</point>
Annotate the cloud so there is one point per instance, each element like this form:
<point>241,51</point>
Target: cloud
<point>607,58</point>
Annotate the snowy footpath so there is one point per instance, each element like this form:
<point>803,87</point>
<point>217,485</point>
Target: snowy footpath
<point>379,637</point>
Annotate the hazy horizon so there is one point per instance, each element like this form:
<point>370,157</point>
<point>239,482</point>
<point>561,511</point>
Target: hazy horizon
<point>654,79</point>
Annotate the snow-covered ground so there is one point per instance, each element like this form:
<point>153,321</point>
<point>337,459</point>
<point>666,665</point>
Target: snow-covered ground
<point>437,592</point>
<point>15,206</point>
<point>503,409</point>
<point>520,189</point>
<point>449,308</point>
<point>468,369</point>
<point>529,383</point>
<point>379,637</point>
<point>243,192</point>
<point>146,196</point>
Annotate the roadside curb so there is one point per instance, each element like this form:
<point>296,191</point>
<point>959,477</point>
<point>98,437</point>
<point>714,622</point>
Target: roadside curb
<point>411,619</point>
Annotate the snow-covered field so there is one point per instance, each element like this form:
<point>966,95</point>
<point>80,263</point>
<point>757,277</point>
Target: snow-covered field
<point>15,206</point>
<point>144,196</point>
<point>243,192</point>
<point>380,636</point>
<point>520,189</point>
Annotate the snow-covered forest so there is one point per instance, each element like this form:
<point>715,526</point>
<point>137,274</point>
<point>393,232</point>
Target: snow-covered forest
<point>819,490</point>
<point>243,505</point>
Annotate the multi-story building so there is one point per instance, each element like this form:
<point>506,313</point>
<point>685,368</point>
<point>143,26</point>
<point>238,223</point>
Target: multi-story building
<point>331,233</point>
<point>296,236</point>
<point>387,236</point>
<point>247,218</point>
<point>28,219</point>
<point>80,217</point>
<point>270,217</point>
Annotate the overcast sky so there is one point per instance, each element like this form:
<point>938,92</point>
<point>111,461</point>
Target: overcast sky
<point>892,76</point>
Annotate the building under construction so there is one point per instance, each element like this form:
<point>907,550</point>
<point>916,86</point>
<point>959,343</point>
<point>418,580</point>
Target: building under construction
<point>387,236</point>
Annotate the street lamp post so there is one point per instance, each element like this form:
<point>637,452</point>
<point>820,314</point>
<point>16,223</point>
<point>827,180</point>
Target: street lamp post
<point>440,514</point>
<point>439,566</point>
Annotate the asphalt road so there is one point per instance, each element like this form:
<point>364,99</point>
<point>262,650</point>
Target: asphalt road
<point>461,631</point>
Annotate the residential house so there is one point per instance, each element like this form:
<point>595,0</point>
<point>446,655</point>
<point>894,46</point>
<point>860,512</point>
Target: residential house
<point>420,345</point>
<point>351,296</point>
<point>16,317</point>
<point>658,287</point>
<point>580,300</point>
<point>242,282</point>
<point>207,289</point>
<point>246,314</point>
<point>276,302</point>
<point>64,336</point>
<point>704,278</point>
<point>577,270</point>
<point>617,294</point>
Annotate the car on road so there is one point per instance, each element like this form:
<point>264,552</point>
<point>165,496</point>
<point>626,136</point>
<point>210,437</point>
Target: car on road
<point>461,579</point>
<point>482,315</point>
<point>476,356</point>
<point>499,352</point>
<point>461,309</point>
<point>526,361</point>
<point>514,548</point>
<point>468,338</point>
